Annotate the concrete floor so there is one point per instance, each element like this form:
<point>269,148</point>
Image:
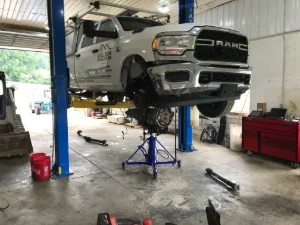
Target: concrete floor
<point>269,188</point>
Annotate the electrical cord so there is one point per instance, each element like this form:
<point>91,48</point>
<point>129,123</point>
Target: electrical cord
<point>7,202</point>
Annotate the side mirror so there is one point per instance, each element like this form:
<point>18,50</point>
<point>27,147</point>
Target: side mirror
<point>88,28</point>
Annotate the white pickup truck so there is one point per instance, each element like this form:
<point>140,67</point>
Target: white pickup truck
<point>159,65</point>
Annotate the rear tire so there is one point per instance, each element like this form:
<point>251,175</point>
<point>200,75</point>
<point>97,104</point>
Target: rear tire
<point>215,109</point>
<point>32,111</point>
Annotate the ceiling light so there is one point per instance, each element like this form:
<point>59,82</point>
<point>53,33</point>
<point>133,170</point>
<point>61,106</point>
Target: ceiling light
<point>47,28</point>
<point>164,9</point>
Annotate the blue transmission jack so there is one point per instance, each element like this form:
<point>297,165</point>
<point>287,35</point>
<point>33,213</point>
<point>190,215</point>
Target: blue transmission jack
<point>156,121</point>
<point>151,155</point>
<point>185,130</point>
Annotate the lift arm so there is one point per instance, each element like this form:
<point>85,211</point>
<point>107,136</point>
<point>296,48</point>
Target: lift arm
<point>78,102</point>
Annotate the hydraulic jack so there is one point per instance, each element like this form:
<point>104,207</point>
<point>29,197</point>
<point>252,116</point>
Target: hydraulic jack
<point>152,155</point>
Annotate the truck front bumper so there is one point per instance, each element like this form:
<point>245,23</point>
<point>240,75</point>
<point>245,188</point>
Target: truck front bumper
<point>188,78</point>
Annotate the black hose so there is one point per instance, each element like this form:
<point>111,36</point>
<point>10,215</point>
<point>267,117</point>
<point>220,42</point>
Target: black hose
<point>160,150</point>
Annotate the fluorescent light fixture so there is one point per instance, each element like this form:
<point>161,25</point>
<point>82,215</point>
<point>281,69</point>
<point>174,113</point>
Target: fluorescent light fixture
<point>47,28</point>
<point>164,9</point>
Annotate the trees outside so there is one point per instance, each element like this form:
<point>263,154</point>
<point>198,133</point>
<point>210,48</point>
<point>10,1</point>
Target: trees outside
<point>25,67</point>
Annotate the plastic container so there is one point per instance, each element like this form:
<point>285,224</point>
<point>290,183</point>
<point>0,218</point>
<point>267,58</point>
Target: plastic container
<point>32,157</point>
<point>42,169</point>
<point>236,137</point>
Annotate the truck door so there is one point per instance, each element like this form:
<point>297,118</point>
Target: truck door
<point>106,56</point>
<point>84,61</point>
<point>98,62</point>
<point>2,96</point>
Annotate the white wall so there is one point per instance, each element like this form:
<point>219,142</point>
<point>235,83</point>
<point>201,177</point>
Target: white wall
<point>291,92</point>
<point>276,72</point>
<point>266,59</point>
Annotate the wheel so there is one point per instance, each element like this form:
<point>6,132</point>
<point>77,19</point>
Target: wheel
<point>155,174</point>
<point>294,165</point>
<point>174,161</point>
<point>123,165</point>
<point>215,109</point>
<point>179,164</point>
<point>32,111</point>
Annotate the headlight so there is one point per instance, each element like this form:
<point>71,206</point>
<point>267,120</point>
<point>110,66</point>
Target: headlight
<point>173,45</point>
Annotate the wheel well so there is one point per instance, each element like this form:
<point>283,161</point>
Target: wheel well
<point>133,67</point>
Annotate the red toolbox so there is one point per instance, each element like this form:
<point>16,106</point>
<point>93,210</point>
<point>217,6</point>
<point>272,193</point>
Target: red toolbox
<point>278,138</point>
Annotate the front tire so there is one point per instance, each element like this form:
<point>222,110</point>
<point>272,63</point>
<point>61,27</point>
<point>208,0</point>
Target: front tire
<point>215,109</point>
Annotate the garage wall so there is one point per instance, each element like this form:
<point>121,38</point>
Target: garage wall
<point>255,18</point>
<point>291,90</point>
<point>266,59</point>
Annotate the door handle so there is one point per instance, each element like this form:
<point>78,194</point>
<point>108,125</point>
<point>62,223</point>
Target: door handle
<point>95,50</point>
<point>77,56</point>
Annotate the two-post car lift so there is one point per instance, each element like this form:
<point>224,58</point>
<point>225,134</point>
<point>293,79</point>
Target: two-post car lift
<point>59,80</point>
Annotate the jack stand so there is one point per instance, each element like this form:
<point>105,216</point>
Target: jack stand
<point>151,156</point>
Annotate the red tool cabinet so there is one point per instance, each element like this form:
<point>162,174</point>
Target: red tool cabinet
<point>278,138</point>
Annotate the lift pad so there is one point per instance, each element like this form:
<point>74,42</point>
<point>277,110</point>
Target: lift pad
<point>78,102</point>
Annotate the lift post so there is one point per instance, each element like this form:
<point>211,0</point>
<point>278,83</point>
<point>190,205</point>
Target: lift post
<point>59,78</point>
<point>185,136</point>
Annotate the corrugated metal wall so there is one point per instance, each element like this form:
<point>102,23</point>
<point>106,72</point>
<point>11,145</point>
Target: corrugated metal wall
<point>255,18</point>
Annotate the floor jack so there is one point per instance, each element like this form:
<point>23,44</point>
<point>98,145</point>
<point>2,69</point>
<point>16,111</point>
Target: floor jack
<point>92,140</point>
<point>151,155</point>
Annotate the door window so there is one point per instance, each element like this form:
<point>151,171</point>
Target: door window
<point>86,42</point>
<point>106,25</point>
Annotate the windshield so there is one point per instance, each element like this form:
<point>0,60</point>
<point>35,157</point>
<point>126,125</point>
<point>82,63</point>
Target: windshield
<point>134,23</point>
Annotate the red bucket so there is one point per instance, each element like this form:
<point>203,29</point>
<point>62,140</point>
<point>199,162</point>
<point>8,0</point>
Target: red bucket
<point>93,114</point>
<point>32,157</point>
<point>42,169</point>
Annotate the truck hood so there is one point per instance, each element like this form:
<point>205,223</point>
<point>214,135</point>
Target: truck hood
<point>182,27</point>
<point>173,27</point>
